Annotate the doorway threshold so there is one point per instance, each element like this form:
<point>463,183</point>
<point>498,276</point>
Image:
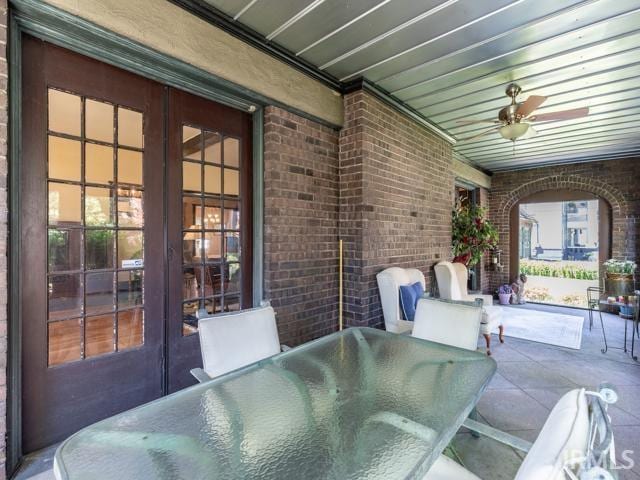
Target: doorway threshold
<point>37,465</point>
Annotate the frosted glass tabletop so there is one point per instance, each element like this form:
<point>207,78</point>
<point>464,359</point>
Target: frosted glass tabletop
<point>361,403</point>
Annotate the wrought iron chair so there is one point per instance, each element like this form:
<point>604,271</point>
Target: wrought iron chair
<point>594,294</point>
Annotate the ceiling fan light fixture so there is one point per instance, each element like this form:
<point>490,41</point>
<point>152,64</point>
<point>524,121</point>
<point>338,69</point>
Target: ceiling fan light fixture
<point>513,130</point>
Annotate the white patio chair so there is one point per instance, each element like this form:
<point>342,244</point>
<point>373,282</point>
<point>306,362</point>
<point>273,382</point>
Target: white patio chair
<point>448,322</point>
<point>452,285</point>
<point>389,282</point>
<point>229,341</point>
<point>576,438</point>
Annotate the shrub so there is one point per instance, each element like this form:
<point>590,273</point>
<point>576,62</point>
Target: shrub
<point>620,266</point>
<point>558,270</point>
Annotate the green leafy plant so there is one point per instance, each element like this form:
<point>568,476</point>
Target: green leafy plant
<point>620,266</point>
<point>559,270</point>
<point>472,234</point>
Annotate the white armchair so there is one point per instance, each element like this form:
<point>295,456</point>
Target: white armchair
<point>230,341</point>
<point>568,441</point>
<point>448,322</point>
<point>389,282</point>
<point>452,284</point>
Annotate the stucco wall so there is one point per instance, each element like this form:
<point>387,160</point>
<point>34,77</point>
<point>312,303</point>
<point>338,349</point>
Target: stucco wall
<point>169,29</point>
<point>466,172</point>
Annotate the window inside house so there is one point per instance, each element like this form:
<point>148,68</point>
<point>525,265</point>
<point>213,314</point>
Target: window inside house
<point>95,246</point>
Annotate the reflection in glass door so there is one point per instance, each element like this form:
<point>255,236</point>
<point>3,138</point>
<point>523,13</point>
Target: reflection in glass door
<point>119,251</point>
<point>92,310</point>
<point>209,222</point>
<point>95,228</point>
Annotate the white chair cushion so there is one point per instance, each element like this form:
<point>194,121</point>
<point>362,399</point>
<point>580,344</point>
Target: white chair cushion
<point>232,340</point>
<point>491,319</point>
<point>446,469</point>
<point>564,436</point>
<point>447,279</point>
<point>389,282</point>
<point>452,284</point>
<point>454,324</point>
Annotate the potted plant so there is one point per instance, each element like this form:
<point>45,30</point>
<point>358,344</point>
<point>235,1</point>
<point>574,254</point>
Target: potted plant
<point>472,234</point>
<point>504,294</point>
<point>618,277</point>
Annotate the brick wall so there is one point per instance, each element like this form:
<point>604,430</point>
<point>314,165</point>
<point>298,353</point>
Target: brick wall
<point>616,181</point>
<point>3,233</point>
<point>301,225</point>
<point>396,195</point>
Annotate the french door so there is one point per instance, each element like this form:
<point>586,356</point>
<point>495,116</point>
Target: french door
<point>135,209</point>
<point>209,221</point>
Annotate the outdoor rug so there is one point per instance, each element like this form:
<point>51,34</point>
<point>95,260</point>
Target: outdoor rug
<point>543,327</point>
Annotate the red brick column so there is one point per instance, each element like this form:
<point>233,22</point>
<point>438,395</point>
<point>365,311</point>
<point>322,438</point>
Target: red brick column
<point>301,225</point>
<point>396,196</point>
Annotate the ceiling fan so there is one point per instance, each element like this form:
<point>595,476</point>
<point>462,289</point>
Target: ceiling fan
<point>514,120</point>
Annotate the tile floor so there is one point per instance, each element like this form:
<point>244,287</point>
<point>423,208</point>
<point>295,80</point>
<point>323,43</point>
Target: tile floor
<point>530,379</point>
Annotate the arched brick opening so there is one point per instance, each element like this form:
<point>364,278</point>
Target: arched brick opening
<point>613,196</point>
<point>620,219</point>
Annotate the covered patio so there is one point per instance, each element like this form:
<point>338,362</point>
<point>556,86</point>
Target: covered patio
<point>291,239</point>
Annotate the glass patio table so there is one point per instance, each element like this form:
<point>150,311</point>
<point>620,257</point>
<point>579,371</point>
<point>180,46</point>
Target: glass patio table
<point>361,403</point>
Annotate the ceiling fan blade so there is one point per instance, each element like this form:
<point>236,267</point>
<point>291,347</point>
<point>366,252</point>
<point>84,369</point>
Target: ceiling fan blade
<point>486,132</point>
<point>530,104</point>
<point>471,122</point>
<point>561,115</point>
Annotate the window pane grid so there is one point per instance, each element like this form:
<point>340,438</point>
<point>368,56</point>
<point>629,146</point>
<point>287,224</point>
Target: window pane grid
<point>211,228</point>
<point>95,227</point>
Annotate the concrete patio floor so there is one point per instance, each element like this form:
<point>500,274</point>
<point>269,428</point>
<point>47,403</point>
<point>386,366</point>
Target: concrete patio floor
<point>530,379</point>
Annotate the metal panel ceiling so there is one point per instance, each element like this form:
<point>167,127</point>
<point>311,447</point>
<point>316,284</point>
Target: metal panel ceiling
<point>452,59</point>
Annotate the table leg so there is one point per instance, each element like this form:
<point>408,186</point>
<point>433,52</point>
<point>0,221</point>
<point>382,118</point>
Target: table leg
<point>625,334</point>
<point>474,416</point>
<point>604,335</point>
<point>633,340</point>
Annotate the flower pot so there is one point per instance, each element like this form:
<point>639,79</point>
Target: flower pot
<point>504,298</point>
<point>617,284</point>
<point>626,310</point>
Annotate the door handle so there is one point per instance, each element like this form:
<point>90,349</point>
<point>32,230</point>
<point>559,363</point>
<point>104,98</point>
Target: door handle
<point>171,253</point>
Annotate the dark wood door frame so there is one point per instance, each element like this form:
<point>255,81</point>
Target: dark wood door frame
<point>604,223</point>
<point>69,386</point>
<point>187,109</point>
<point>52,24</point>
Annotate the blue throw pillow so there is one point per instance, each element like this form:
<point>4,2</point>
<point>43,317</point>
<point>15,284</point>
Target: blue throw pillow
<point>409,295</point>
<point>419,290</point>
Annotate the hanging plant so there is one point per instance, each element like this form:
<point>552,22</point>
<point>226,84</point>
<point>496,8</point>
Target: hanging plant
<point>472,234</point>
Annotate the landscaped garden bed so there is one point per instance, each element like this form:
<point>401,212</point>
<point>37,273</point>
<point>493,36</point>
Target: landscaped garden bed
<point>563,282</point>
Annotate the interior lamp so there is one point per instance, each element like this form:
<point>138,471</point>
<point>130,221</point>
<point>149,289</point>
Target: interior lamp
<point>512,131</point>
